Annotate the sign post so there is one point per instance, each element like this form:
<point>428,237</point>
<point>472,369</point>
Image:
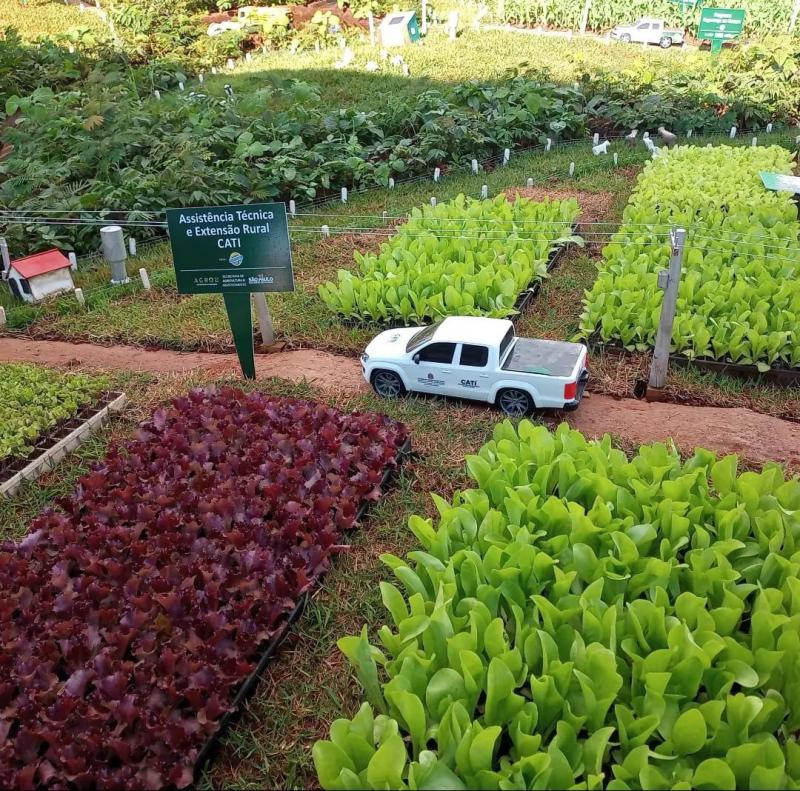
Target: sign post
<point>234,251</point>
<point>719,25</point>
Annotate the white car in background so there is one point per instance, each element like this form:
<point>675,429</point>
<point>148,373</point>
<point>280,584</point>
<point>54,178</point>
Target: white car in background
<point>480,359</point>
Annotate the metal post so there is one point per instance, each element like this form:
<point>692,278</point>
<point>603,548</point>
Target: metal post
<point>5,258</point>
<point>670,283</point>
<point>585,15</point>
<point>264,319</point>
<point>145,279</point>
<point>795,13</point>
<point>113,244</point>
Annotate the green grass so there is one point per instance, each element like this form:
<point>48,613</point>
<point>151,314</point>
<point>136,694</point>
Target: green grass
<point>36,18</point>
<point>489,55</point>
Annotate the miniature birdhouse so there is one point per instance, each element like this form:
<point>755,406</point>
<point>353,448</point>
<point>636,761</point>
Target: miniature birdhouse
<point>41,275</point>
<point>399,29</point>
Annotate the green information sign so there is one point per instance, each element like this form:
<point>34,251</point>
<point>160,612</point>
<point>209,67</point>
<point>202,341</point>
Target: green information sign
<point>233,251</point>
<point>718,25</point>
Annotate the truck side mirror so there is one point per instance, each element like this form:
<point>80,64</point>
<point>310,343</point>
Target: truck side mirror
<point>415,358</point>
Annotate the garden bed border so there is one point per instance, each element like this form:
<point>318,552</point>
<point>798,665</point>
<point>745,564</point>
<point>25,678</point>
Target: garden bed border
<point>780,377</point>
<point>208,751</point>
<point>59,448</point>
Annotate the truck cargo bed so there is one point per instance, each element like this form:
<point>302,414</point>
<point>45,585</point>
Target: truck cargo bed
<point>547,358</point>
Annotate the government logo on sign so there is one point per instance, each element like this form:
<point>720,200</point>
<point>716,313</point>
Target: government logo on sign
<point>235,259</point>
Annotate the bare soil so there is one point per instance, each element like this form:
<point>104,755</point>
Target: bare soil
<point>753,436</point>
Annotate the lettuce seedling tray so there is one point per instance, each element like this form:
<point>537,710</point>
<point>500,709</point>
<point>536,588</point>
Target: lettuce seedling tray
<point>270,648</point>
<point>58,442</point>
<point>523,299</point>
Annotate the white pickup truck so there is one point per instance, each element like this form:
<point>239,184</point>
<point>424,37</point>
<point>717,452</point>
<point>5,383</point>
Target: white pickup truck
<point>648,30</point>
<point>480,359</point>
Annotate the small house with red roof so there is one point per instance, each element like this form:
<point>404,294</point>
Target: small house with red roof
<point>41,275</point>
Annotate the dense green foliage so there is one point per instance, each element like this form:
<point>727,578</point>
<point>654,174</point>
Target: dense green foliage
<point>33,400</point>
<point>466,257</point>
<point>762,17</point>
<point>580,620</point>
<point>739,297</point>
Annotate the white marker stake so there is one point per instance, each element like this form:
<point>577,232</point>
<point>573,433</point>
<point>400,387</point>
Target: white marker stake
<point>529,182</point>
<point>548,145</point>
<point>485,191</point>
<point>231,63</point>
<point>385,217</point>
<point>180,85</point>
<point>2,317</point>
<point>433,202</point>
<point>689,133</point>
<point>506,156</point>
<point>769,128</point>
<point>616,159</point>
<point>797,140</point>
<point>391,183</point>
<point>474,165</point>
<point>157,94</point>
<point>292,208</point>
<point>344,194</point>
<point>73,261</point>
<point>571,169</point>
<point>326,231</point>
<point>595,138</point>
<point>201,77</point>
<point>755,142</point>
<point>213,69</point>
<point>708,145</point>
<point>131,246</point>
<point>145,279</point>
<point>406,70</point>
<point>248,56</point>
<point>733,132</point>
<point>436,173</point>
<point>79,296</point>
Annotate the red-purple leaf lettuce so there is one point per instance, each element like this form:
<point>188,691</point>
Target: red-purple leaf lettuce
<point>130,614</point>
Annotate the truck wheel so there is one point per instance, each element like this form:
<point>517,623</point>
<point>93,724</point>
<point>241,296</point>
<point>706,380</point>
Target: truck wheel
<point>625,38</point>
<point>514,402</point>
<point>665,43</point>
<point>387,384</point>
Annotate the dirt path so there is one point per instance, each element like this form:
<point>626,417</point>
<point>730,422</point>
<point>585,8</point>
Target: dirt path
<point>754,436</point>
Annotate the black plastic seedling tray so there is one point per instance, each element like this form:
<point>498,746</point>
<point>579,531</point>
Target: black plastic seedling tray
<point>781,377</point>
<point>271,647</point>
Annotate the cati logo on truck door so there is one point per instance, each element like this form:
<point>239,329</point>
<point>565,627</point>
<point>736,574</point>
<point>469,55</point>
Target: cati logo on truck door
<point>469,382</point>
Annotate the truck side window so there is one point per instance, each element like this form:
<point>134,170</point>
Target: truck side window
<point>475,356</point>
<point>509,336</point>
<point>644,26</point>
<point>437,353</point>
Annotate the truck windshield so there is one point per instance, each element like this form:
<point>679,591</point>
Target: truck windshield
<point>423,336</point>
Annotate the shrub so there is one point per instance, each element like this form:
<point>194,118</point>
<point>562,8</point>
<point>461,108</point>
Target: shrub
<point>129,614</point>
<point>464,257</point>
<point>581,620</point>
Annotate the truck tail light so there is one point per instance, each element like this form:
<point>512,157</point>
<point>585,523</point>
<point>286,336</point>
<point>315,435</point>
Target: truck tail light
<point>570,391</point>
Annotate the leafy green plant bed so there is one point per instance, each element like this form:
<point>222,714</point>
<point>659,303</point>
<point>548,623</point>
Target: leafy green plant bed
<point>581,618</point>
<point>465,257</point>
<point>739,296</point>
<point>34,400</point>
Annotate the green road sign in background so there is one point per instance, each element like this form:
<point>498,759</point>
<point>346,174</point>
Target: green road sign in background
<point>233,251</point>
<point>718,25</point>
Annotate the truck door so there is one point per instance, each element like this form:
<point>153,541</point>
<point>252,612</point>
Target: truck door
<point>471,377</point>
<point>432,371</point>
<point>642,32</point>
<point>655,32</point>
